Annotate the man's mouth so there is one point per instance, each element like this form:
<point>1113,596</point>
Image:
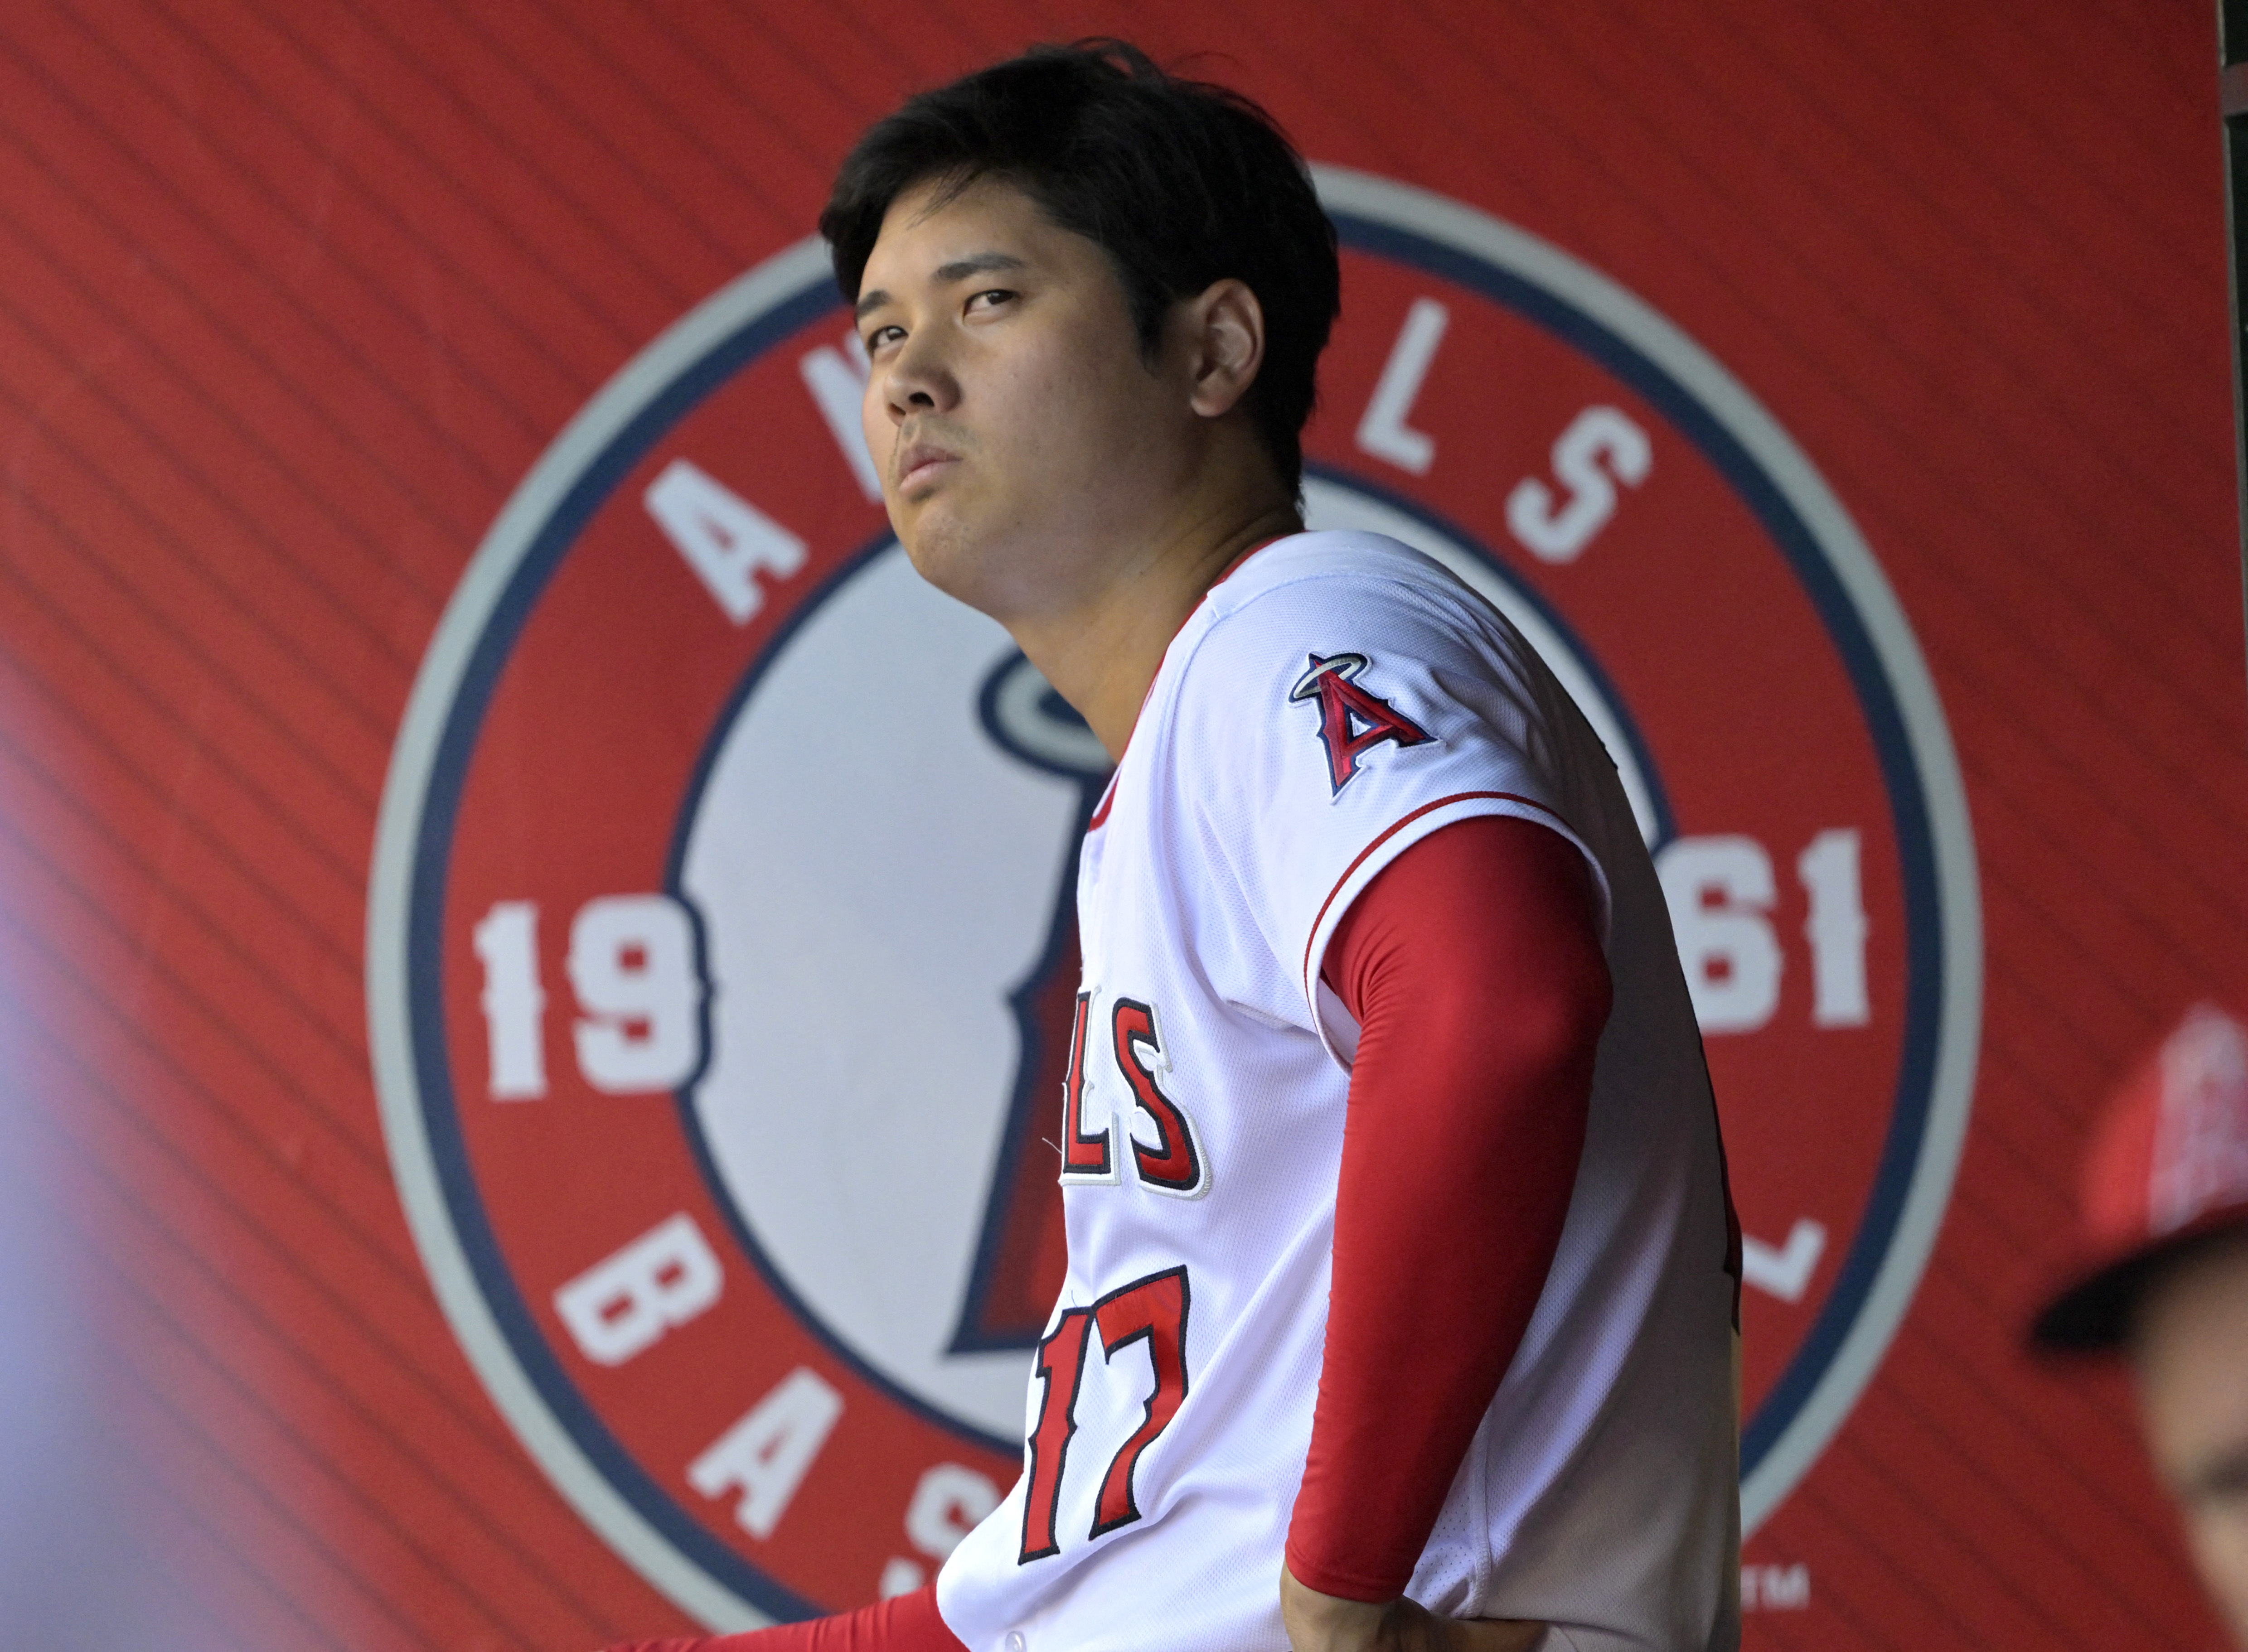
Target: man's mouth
<point>921,462</point>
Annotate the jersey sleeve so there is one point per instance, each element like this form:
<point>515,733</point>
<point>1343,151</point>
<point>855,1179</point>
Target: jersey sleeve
<point>1343,718</point>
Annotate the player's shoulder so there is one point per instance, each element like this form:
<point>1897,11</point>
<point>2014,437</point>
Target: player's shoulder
<point>1337,591</point>
<point>1344,565</point>
<point>1379,614</point>
<point>1320,589</point>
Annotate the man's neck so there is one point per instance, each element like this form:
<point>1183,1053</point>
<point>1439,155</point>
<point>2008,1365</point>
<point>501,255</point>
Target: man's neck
<point>1102,656</point>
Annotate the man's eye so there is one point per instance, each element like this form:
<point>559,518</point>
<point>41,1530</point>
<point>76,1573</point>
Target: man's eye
<point>991,298</point>
<point>880,336</point>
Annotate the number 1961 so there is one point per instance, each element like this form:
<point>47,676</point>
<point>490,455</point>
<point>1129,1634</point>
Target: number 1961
<point>1721,890</point>
<point>633,966</point>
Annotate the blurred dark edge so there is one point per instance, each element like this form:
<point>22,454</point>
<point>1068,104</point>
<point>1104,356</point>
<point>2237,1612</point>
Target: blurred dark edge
<point>2233,90</point>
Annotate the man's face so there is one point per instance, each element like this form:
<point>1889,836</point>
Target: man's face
<point>1026,445</point>
<point>2190,1352</point>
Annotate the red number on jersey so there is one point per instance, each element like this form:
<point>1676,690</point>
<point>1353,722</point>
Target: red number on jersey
<point>1061,1355</point>
<point>1153,1309</point>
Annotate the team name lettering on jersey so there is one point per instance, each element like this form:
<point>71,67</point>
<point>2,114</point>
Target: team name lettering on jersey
<point>1087,1156</point>
<point>1173,1163</point>
<point>1352,722</point>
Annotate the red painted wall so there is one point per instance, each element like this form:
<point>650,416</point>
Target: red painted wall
<point>292,297</point>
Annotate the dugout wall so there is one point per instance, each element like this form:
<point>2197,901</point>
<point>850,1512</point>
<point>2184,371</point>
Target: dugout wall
<point>532,951</point>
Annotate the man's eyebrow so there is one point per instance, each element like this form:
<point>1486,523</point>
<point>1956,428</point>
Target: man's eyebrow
<point>982,263</point>
<point>959,270</point>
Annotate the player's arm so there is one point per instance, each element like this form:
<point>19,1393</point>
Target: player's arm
<point>1474,967</point>
<point>1327,1620</point>
<point>903,1623</point>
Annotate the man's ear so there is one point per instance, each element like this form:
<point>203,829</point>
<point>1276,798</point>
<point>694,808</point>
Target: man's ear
<point>1225,326</point>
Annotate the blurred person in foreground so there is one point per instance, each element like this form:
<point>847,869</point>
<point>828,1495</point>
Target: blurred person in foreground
<point>2164,1277</point>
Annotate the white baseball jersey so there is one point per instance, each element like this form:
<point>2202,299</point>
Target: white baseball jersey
<point>1335,700</point>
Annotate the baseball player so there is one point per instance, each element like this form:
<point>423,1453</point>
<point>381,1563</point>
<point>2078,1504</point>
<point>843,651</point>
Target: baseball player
<point>1403,1281</point>
<point>2163,1276</point>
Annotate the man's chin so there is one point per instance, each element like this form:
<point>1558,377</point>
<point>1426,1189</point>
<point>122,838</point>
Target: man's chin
<point>942,555</point>
<point>998,574</point>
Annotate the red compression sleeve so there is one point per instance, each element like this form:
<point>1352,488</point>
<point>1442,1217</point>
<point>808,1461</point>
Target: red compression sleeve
<point>903,1623</point>
<point>1473,964</point>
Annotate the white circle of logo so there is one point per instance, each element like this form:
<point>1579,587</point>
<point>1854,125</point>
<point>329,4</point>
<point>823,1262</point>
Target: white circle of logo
<point>720,893</point>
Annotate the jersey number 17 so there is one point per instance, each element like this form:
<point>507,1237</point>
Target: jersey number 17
<point>1153,1309</point>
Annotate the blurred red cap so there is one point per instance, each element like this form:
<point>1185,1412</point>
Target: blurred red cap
<point>2168,1167</point>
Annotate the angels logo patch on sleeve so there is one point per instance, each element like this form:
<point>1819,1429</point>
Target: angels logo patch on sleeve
<point>1352,720</point>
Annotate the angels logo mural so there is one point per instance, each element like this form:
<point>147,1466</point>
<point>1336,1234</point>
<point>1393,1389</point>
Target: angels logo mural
<point>722,958</point>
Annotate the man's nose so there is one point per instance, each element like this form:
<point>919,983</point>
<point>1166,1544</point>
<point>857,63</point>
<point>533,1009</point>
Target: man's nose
<point>919,379</point>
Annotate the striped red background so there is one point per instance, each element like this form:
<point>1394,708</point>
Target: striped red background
<point>291,294</point>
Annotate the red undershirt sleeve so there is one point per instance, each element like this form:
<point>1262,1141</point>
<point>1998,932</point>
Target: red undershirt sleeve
<point>1473,964</point>
<point>903,1623</point>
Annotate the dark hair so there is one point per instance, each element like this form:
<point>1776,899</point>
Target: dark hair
<point>1180,183</point>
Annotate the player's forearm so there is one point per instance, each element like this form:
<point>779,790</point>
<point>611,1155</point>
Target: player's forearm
<point>1476,974</point>
<point>903,1623</point>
